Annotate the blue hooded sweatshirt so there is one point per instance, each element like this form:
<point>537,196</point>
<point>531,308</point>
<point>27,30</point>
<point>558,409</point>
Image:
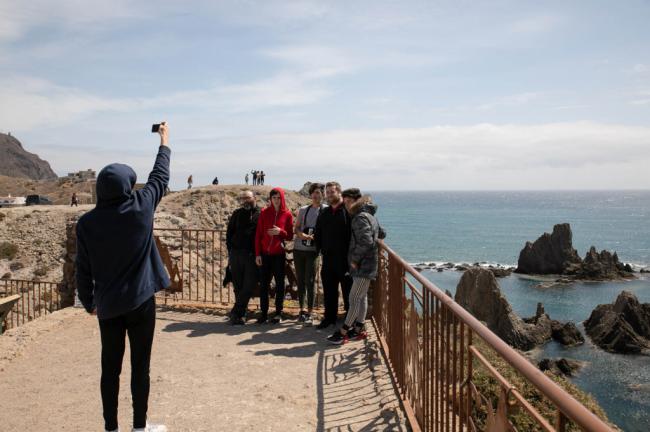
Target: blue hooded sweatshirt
<point>118,264</point>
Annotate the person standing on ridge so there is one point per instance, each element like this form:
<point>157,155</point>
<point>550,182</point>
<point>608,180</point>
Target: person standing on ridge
<point>189,182</point>
<point>332,237</point>
<point>254,177</point>
<point>274,227</point>
<point>74,201</point>
<point>246,179</point>
<point>118,271</point>
<point>261,177</point>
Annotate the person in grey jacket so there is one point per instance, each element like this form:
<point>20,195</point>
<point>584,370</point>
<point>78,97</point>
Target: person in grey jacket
<point>363,259</point>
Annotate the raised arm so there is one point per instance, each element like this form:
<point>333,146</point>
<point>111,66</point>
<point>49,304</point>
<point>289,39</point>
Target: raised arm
<point>158,179</point>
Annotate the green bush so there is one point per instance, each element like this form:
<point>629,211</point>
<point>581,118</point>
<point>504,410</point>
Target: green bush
<point>8,250</point>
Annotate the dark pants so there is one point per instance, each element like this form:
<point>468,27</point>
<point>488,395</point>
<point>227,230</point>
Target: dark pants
<point>244,278</point>
<point>306,263</point>
<point>272,267</point>
<point>139,324</point>
<point>334,273</point>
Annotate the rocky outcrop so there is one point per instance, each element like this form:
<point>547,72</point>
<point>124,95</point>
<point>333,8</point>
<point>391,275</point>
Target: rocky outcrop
<point>304,191</point>
<point>16,162</point>
<point>567,334</point>
<point>479,293</point>
<point>560,366</point>
<point>554,254</point>
<point>549,254</point>
<point>622,327</point>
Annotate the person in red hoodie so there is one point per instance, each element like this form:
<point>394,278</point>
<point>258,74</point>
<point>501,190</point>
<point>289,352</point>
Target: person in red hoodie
<point>274,227</point>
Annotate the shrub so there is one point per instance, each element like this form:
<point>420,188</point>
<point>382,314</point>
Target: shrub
<point>8,250</point>
<point>40,271</point>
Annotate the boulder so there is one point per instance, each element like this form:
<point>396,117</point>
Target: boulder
<point>479,293</point>
<point>560,366</point>
<point>549,254</point>
<point>603,265</point>
<point>500,271</point>
<point>622,327</point>
<point>566,334</point>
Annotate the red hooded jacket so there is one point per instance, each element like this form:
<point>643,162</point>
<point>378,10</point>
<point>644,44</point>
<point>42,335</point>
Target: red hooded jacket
<point>272,245</point>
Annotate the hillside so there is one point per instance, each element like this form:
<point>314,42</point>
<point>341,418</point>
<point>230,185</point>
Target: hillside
<point>59,191</point>
<point>17,162</point>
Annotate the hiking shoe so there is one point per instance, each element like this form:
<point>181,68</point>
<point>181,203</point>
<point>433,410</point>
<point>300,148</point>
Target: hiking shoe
<point>277,318</point>
<point>237,321</point>
<point>324,324</point>
<point>152,428</point>
<point>309,321</point>
<point>338,338</point>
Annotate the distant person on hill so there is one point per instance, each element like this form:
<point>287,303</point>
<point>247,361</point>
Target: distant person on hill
<point>246,179</point>
<point>254,177</point>
<point>215,181</point>
<point>189,182</point>
<point>118,272</point>
<point>305,255</point>
<point>240,242</point>
<point>261,176</point>
<point>274,227</point>
<point>363,260</point>
<point>332,236</point>
<point>74,201</point>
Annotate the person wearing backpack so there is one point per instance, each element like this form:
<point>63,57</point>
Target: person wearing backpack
<point>305,254</point>
<point>363,258</point>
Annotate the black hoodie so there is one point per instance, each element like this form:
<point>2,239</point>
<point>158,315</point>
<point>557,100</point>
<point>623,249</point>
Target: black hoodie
<point>118,264</point>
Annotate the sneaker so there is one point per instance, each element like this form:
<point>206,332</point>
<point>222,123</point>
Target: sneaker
<point>309,321</point>
<point>360,330</point>
<point>262,319</point>
<point>324,324</point>
<point>277,318</point>
<point>152,428</point>
<point>237,321</point>
<point>302,316</point>
<point>352,333</point>
<point>338,338</point>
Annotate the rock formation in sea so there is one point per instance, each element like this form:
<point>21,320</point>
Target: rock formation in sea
<point>478,291</point>
<point>17,162</point>
<point>561,366</point>
<point>622,327</point>
<point>554,254</point>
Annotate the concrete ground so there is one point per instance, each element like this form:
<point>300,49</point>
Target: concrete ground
<point>205,376</point>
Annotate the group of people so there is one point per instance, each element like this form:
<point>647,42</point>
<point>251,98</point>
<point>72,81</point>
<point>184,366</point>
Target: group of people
<point>258,177</point>
<point>119,269</point>
<point>344,233</point>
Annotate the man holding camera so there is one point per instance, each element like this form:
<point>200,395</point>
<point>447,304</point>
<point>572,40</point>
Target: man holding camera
<point>118,272</point>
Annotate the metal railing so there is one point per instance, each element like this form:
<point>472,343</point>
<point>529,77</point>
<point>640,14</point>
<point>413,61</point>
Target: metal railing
<point>435,349</point>
<point>36,299</point>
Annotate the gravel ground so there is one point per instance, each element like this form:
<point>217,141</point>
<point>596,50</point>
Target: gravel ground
<point>206,376</point>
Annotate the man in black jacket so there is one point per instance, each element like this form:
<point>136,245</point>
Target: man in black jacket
<point>240,241</point>
<point>118,272</point>
<point>332,237</point>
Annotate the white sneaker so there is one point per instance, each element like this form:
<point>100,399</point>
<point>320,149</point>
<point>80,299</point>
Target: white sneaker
<point>152,428</point>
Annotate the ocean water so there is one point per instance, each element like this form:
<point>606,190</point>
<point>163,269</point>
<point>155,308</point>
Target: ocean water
<point>493,227</point>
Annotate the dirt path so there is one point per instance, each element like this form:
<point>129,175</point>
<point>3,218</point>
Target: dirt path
<point>206,376</point>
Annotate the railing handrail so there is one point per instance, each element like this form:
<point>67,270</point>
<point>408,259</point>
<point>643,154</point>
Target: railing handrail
<point>566,403</point>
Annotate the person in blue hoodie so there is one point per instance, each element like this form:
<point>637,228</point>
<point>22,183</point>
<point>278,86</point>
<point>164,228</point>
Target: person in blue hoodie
<point>118,272</point>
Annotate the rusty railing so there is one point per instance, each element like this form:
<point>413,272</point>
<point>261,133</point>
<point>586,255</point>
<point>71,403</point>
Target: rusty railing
<point>436,349</point>
<point>36,299</point>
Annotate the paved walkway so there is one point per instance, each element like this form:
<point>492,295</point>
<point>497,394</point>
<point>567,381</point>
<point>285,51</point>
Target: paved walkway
<point>206,376</point>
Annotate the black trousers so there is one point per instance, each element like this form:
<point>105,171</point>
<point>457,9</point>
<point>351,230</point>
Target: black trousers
<point>272,267</point>
<point>334,272</point>
<point>139,324</point>
<point>244,278</point>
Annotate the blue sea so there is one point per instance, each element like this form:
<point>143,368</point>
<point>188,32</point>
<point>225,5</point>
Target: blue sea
<point>492,227</point>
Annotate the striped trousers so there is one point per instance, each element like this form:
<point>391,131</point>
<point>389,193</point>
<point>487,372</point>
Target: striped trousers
<point>358,301</point>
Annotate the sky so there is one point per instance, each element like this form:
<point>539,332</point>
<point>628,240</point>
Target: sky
<point>399,95</point>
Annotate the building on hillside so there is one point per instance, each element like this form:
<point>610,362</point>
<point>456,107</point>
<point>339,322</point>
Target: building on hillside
<point>80,176</point>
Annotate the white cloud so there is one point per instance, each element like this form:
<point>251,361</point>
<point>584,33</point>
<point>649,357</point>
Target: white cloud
<point>512,100</point>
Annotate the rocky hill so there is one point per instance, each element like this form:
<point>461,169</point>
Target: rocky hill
<point>17,162</point>
<point>59,191</point>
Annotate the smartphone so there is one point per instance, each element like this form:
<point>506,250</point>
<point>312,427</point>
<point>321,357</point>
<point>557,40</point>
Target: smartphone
<point>155,128</point>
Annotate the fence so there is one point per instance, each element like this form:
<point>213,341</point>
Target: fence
<point>437,351</point>
<point>36,299</point>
